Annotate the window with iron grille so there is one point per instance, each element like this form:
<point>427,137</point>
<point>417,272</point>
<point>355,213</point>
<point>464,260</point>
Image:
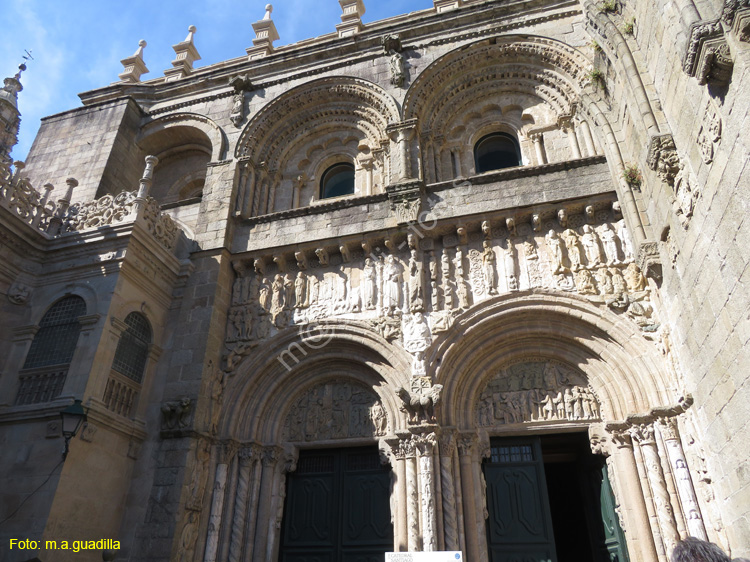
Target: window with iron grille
<point>132,350</point>
<point>56,340</point>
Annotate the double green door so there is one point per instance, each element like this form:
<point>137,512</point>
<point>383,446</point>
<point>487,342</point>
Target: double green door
<point>337,508</point>
<point>550,502</point>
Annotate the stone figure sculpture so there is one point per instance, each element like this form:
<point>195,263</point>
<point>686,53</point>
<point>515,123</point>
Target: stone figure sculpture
<point>391,286</point>
<point>591,246</point>
<point>421,402</point>
<point>554,244</point>
<point>369,284</point>
<point>489,267</point>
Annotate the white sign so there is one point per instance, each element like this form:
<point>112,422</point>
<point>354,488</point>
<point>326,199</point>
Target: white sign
<point>423,557</point>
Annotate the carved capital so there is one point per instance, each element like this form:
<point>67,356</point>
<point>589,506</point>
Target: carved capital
<point>643,434</point>
<point>669,429</point>
<point>425,444</point>
<point>467,443</point>
<point>271,456</point>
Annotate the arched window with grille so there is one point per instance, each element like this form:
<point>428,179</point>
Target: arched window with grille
<point>129,365</point>
<point>46,367</point>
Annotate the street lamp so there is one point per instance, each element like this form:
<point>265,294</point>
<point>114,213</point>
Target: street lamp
<point>72,418</point>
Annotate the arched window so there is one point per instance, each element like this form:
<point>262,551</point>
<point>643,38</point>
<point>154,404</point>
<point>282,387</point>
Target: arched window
<point>46,367</point>
<point>337,180</point>
<point>55,342</point>
<point>132,349</point>
<point>495,152</point>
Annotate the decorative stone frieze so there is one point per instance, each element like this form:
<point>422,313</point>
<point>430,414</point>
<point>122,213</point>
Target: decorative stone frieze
<point>708,57</point>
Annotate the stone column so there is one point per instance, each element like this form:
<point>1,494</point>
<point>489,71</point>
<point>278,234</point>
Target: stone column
<point>567,127</point>
<point>226,455</point>
<point>425,449</point>
<point>634,510</point>
<point>644,435</point>
<point>247,459</point>
<point>467,444</point>
<point>541,156</point>
<point>269,460</point>
<point>412,496</point>
<point>243,189</point>
<point>447,447</point>
<point>287,464</point>
<point>690,507</point>
<point>588,140</point>
<point>399,501</point>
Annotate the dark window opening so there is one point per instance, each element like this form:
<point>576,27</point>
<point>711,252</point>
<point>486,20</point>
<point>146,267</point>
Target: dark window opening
<point>338,180</point>
<point>55,342</point>
<point>495,152</point>
<point>132,349</point>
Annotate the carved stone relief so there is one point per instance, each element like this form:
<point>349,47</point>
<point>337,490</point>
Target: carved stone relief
<point>412,290</point>
<point>536,391</point>
<point>18,293</point>
<point>336,410</point>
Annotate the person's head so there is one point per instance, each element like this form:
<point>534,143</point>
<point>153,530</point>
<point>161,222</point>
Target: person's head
<point>697,550</point>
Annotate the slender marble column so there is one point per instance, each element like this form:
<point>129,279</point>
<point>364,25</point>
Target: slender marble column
<point>588,140</point>
<point>450,522</point>
<point>634,505</point>
<point>412,496</point>
<point>226,454</point>
<point>569,129</point>
<point>466,446</point>
<point>644,435</point>
<point>685,489</point>
<point>247,458</point>
<point>541,156</point>
<point>425,449</point>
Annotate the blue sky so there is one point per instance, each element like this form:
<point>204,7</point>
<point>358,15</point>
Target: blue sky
<point>78,44</point>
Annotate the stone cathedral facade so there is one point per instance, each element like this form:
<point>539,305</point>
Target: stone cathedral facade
<point>469,279</point>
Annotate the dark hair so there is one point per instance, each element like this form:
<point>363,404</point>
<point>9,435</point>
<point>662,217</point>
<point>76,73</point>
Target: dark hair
<point>697,550</point>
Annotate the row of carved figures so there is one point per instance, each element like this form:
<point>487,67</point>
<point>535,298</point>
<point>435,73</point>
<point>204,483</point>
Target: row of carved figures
<point>594,263</point>
<point>570,403</point>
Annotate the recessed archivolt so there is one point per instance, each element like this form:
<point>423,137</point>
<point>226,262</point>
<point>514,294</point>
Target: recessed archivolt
<point>536,66</point>
<point>148,136</point>
<point>337,103</point>
<point>272,379</point>
<point>625,371</point>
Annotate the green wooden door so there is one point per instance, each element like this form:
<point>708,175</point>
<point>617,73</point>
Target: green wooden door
<point>607,536</point>
<point>519,526</point>
<point>337,508</point>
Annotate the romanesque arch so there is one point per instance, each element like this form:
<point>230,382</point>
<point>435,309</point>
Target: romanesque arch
<point>627,373</point>
<point>293,139</point>
<point>192,128</point>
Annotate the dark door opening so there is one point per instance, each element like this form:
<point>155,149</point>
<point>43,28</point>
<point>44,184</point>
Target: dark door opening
<point>549,500</point>
<point>337,508</point>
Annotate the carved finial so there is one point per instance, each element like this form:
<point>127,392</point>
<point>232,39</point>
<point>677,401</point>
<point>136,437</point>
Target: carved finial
<point>185,55</point>
<point>351,18</point>
<point>134,66</point>
<point>265,34</point>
